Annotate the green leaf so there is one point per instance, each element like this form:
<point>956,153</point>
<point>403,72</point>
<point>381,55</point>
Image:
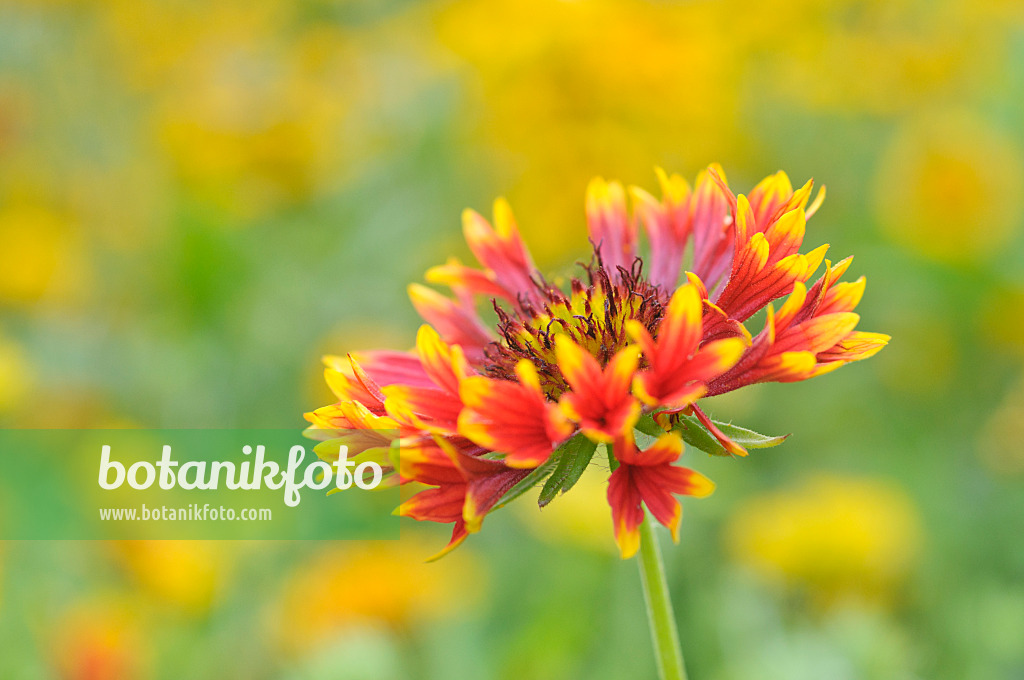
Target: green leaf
<point>646,432</point>
<point>647,426</point>
<point>696,435</point>
<point>613,463</point>
<point>749,439</point>
<point>574,459</point>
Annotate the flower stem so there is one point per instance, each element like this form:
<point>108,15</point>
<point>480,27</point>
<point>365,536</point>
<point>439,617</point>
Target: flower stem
<point>662,620</point>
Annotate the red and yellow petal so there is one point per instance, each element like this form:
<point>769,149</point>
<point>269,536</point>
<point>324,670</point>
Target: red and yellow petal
<point>501,250</point>
<point>677,369</point>
<point>456,323</point>
<point>727,443</point>
<point>769,195</point>
<point>717,357</point>
<point>786,234</point>
<point>659,485</point>
<point>610,424</point>
<point>512,417</point>
<point>648,477</point>
<point>681,330</point>
<point>424,461</point>
<point>440,504</point>
<point>817,334</point>
<point>843,296</point>
<point>679,336</point>
<point>600,399</point>
<point>578,366</point>
<point>786,367</point>
<point>713,225</point>
<point>668,224</point>
<point>627,513</point>
<point>793,305</point>
<point>855,346</point>
<point>666,449</point>
<point>487,482</point>
<point>462,278</point>
<point>445,364</point>
<point>459,534</point>
<point>611,229</point>
<point>424,408</point>
<point>814,259</point>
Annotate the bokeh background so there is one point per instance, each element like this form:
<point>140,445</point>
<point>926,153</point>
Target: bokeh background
<point>199,199</point>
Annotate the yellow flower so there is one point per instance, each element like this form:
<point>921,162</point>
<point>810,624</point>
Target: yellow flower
<point>248,113</point>
<point>101,638</point>
<point>152,39</point>
<point>582,86</point>
<point>381,582</point>
<point>578,86</point>
<point>35,244</point>
<point>951,188</point>
<point>881,57</point>
<point>254,124</point>
<point>834,536</point>
<point>181,574</point>
<point>15,375</point>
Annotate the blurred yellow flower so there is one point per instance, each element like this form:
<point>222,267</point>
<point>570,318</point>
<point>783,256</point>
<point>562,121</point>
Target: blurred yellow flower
<point>253,125</point>
<point>246,101</point>
<point>579,87</point>
<point>34,253</point>
<point>15,375</point>
<point>951,187</point>
<point>835,536</point>
<point>152,39</point>
<point>372,582</point>
<point>100,639</point>
<point>184,575</point>
<point>583,88</point>
<point>878,56</point>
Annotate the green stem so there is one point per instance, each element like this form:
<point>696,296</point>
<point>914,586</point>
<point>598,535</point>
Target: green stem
<point>659,607</point>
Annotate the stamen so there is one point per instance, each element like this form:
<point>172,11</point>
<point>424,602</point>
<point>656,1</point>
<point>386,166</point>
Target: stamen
<point>529,333</point>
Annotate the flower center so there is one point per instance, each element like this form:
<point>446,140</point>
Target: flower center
<point>593,314</point>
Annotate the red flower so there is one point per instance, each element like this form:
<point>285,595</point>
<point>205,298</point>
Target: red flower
<point>477,407</point>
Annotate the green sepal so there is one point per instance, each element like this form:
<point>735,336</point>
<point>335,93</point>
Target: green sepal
<point>697,436</point>
<point>647,425</point>
<point>749,439</point>
<point>574,458</point>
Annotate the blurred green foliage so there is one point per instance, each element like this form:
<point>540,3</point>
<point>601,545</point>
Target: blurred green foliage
<point>197,200</point>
